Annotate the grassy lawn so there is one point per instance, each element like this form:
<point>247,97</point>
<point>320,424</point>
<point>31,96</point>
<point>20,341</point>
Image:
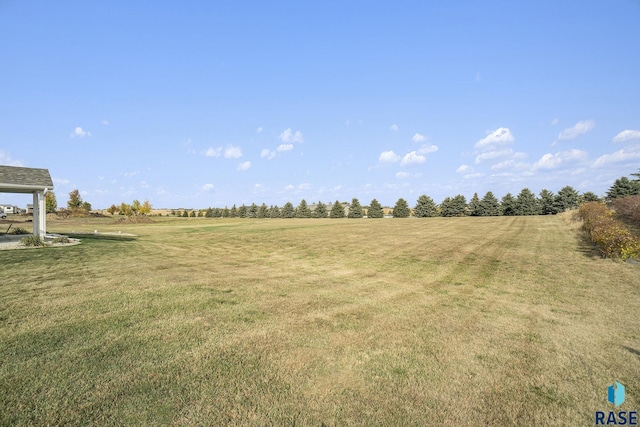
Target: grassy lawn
<point>441,321</point>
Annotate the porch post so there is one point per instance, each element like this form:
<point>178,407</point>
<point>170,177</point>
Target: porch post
<point>39,214</point>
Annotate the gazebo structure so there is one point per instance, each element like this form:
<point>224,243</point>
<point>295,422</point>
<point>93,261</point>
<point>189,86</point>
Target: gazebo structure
<point>29,180</point>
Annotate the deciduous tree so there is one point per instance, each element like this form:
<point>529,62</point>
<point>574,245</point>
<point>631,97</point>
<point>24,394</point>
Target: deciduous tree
<point>50,202</point>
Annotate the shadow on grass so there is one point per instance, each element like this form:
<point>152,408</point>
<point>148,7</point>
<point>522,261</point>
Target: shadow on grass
<point>586,246</point>
<point>102,237</point>
<point>632,350</point>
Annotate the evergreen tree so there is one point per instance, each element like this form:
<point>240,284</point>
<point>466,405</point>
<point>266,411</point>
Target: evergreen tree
<point>242,211</point>
<point>303,211</point>
<point>217,213</point>
<point>623,187</point>
<point>456,206</point>
<point>288,211</point>
<point>526,203</point>
<point>274,212</point>
<point>474,205</point>
<point>489,205</point>
<point>401,209</point>
<point>252,211</point>
<point>185,214</point>
<point>208,213</point>
<point>547,203</point>
<point>567,198</point>
<point>263,211</point>
<point>355,211</point>
<point>588,197</point>
<point>337,210</point>
<point>375,210</point>
<point>51,203</point>
<point>200,213</point>
<point>425,207</point>
<point>192,214</point>
<point>508,205</point>
<point>320,211</point>
<point>225,212</point>
<point>233,213</point>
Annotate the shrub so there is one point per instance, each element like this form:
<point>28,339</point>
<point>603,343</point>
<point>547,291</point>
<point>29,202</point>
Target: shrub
<point>628,207</point>
<point>20,230</point>
<point>32,241</point>
<point>613,239</point>
<point>61,239</point>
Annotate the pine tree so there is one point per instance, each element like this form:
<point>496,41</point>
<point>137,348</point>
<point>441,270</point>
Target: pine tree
<point>425,207</point>
<point>242,211</point>
<point>225,212</point>
<point>233,213</point>
<point>456,206</point>
<point>588,197</point>
<point>263,211</point>
<point>474,205</point>
<point>288,211</point>
<point>526,203</point>
<point>623,187</point>
<point>489,205</point>
<point>320,210</point>
<point>401,209</point>
<point>252,211</point>
<point>355,211</point>
<point>375,210</point>
<point>303,211</point>
<point>274,212</point>
<point>567,198</point>
<point>508,205</point>
<point>185,214</point>
<point>547,203</point>
<point>337,210</point>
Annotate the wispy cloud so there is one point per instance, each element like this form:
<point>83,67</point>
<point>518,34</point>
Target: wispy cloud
<point>78,132</point>
<point>284,147</point>
<point>576,130</point>
<point>267,154</point>
<point>627,135</point>
<point>394,127</point>
<point>232,152</point>
<point>553,161</point>
<point>418,138</point>
<point>244,166</point>
<point>5,159</point>
<point>259,130</point>
<point>207,187</point>
<point>289,136</point>
<point>213,152</point>
<point>464,168</point>
<point>620,156</point>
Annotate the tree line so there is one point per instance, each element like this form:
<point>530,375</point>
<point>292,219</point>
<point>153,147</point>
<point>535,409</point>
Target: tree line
<point>524,203</point>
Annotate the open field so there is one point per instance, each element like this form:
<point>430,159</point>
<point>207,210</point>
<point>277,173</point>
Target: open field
<point>440,321</point>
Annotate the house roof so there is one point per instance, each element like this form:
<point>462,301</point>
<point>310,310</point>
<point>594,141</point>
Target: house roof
<point>24,180</point>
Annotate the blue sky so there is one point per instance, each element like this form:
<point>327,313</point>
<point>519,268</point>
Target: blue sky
<point>201,103</point>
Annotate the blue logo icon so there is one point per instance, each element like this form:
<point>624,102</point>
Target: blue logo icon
<point>615,394</point>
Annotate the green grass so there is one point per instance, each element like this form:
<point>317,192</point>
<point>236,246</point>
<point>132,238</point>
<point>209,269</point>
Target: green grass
<point>441,321</point>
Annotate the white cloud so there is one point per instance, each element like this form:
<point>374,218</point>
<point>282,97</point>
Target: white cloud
<point>144,184</point>
<point>304,186</point>
<point>499,137</point>
<point>464,168</point>
<point>473,175</point>
<point>268,154</point>
<point>412,158</point>
<point>552,161</point>
<point>207,187</point>
<point>289,136</point>
<point>284,147</point>
<point>406,175</point>
<point>619,156</point>
<point>105,122</point>
<point>79,133</point>
<point>426,149</point>
<point>418,138</point>
<point>576,130</point>
<point>394,127</point>
<point>232,152</point>
<point>488,155</point>
<point>289,187</point>
<point>388,157</point>
<point>244,166</point>
<point>627,135</point>
<point>259,130</point>
<point>5,159</point>
<point>213,152</point>
<point>555,121</point>
<point>130,174</point>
